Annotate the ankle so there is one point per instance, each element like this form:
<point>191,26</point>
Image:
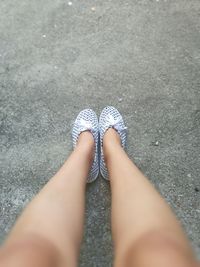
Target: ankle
<point>111,141</point>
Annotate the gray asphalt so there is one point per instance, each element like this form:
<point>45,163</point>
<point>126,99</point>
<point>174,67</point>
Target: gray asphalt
<point>142,56</point>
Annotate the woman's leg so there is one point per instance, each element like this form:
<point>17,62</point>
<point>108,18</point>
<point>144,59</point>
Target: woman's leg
<point>49,231</point>
<point>145,231</point>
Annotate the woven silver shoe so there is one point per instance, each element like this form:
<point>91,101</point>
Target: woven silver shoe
<point>87,121</point>
<point>110,118</point>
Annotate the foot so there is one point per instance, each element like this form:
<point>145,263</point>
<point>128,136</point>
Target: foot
<point>112,132</point>
<point>86,139</point>
<point>85,134</point>
<point>111,139</point>
<point>86,144</point>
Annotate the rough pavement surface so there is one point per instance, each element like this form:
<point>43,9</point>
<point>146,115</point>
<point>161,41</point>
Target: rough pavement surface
<point>142,56</point>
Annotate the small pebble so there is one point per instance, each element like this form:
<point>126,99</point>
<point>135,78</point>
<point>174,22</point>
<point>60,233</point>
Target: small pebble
<point>69,3</point>
<point>44,35</point>
<point>156,143</point>
<point>120,99</point>
<point>93,8</point>
<point>189,175</point>
<point>55,67</point>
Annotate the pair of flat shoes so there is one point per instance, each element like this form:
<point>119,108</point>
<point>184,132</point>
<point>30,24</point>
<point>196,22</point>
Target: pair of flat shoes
<point>87,121</point>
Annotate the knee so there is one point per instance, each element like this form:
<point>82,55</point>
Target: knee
<point>30,250</point>
<point>155,249</point>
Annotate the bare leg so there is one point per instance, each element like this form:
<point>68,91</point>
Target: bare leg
<point>51,227</point>
<point>145,231</point>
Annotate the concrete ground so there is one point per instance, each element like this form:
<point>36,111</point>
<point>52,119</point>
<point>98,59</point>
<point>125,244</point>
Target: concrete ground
<point>142,56</point>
